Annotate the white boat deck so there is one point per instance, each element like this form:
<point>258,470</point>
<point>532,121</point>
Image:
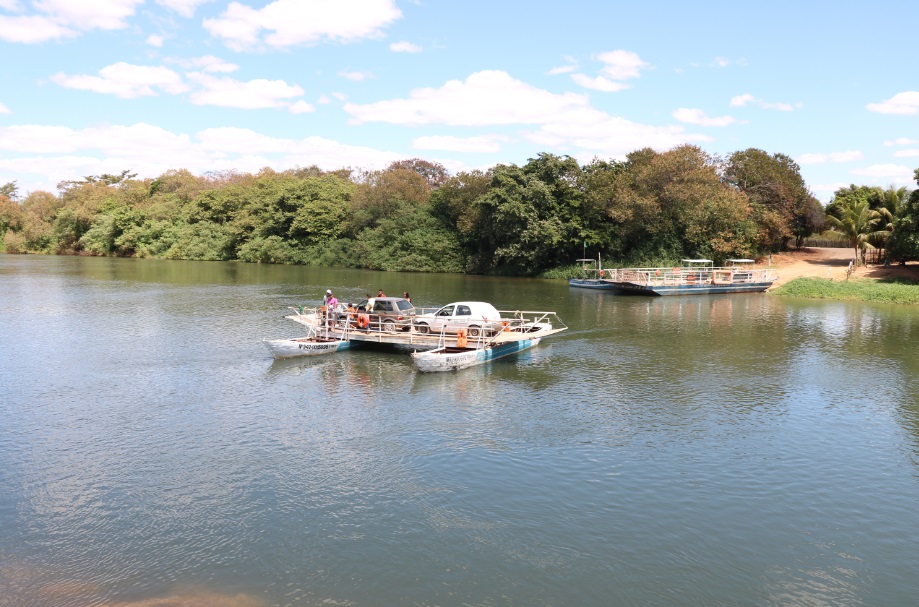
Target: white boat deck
<point>694,273</point>
<point>512,326</point>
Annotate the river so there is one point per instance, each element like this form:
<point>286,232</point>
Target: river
<point>727,450</point>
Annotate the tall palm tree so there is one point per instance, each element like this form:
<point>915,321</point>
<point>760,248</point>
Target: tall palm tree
<point>893,199</point>
<point>859,223</point>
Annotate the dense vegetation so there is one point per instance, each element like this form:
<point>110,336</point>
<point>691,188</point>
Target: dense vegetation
<point>413,216</point>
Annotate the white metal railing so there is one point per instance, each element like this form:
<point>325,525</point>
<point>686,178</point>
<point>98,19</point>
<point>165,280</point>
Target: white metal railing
<point>324,322</point>
<point>689,276</point>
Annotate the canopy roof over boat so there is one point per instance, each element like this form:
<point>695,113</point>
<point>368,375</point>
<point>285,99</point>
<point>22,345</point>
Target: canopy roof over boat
<point>708,261</point>
<point>741,260</point>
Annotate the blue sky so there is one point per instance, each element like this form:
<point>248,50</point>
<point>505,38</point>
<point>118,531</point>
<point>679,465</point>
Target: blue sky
<point>101,86</point>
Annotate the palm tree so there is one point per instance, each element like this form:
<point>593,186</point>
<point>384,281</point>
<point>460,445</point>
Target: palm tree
<point>859,222</point>
<point>893,199</point>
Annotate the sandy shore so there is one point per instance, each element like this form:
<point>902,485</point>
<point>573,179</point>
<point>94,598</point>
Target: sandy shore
<point>831,263</point>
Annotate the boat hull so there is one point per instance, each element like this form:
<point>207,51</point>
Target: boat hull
<point>590,283</point>
<point>305,346</point>
<point>689,289</point>
<point>453,359</point>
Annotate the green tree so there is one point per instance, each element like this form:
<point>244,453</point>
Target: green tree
<point>434,173</point>
<point>39,210</point>
<point>810,219</point>
<point>904,242</point>
<point>10,215</point>
<point>323,209</point>
<point>523,222</point>
<point>674,204</point>
<point>454,205</point>
<point>893,199</point>
<point>10,190</point>
<point>600,225</point>
<point>779,197</point>
<point>859,223</point>
<point>381,195</point>
<point>414,241</point>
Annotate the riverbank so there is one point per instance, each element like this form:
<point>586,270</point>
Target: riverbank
<point>832,263</point>
<point>822,273</point>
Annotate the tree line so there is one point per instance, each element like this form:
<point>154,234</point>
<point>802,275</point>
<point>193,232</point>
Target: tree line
<point>651,208</point>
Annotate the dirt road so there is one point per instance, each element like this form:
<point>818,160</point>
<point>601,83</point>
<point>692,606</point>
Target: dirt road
<point>832,263</point>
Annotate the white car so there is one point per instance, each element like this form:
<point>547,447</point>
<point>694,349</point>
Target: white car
<point>473,316</point>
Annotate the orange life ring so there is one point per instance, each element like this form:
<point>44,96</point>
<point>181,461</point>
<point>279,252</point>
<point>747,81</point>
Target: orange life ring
<point>363,321</point>
<point>690,278</point>
<point>658,272</point>
<point>505,326</point>
<point>602,273</point>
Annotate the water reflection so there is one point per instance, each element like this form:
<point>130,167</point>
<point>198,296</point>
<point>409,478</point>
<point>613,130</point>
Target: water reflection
<point>710,450</point>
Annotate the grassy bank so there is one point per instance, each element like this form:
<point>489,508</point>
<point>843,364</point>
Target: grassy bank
<point>894,290</point>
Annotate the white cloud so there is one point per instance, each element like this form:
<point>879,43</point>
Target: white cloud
<point>618,66</point>
<point>404,47</point>
<point>696,116</point>
<point>484,98</point>
<point>622,65</point>
<point>491,98</point>
<point>4,109</point>
<point>131,81</point>
<point>302,107</point>
<point>723,62</point>
<point>782,107</point>
<point>902,103</point>
<point>33,29</point>
<point>126,81</point>
<point>742,100</point>
<point>906,153</point>
<point>99,14</point>
<point>747,98</point>
<point>155,40</point>
<point>599,83</point>
<point>565,69</point>
<point>57,19</point>
<point>598,133</point>
<point>284,23</point>
<point>484,145</point>
<point>207,63</point>
<point>897,172</point>
<point>829,188</point>
<point>254,94</point>
<point>819,158</point>
<point>354,76</point>
<point>60,153</point>
<point>901,141</point>
<point>117,140</point>
<point>186,8</point>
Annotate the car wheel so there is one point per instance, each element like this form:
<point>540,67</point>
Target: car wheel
<point>389,325</point>
<point>421,328</point>
<point>473,331</point>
